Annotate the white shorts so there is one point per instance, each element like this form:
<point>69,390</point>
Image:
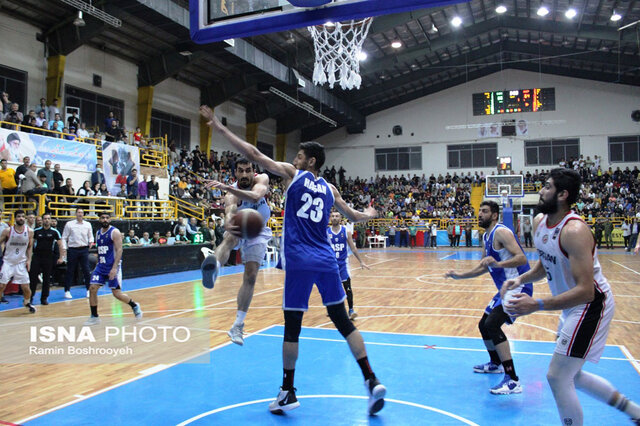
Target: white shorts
<point>583,330</point>
<point>254,249</point>
<point>15,273</point>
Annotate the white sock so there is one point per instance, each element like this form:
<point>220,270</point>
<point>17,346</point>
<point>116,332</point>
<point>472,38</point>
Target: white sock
<point>240,315</point>
<point>627,406</point>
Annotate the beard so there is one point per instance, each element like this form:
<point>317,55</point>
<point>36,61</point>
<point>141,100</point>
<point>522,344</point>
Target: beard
<point>548,207</point>
<point>19,222</point>
<point>105,225</point>
<point>244,183</point>
<point>484,223</point>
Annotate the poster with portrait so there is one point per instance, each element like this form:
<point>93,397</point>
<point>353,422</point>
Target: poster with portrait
<point>490,130</point>
<point>118,160</point>
<point>522,128</point>
<point>70,154</point>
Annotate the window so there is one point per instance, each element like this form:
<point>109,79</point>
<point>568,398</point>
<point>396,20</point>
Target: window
<point>14,82</point>
<point>94,108</point>
<point>550,152</point>
<point>469,156</point>
<point>624,149</point>
<point>174,127</point>
<point>399,158</point>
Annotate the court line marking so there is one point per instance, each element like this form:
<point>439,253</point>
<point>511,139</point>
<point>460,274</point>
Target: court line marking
<point>133,379</point>
<point>475,317</point>
<point>449,255</point>
<point>404,345</point>
<point>633,361</point>
<point>260,401</point>
<point>625,267</point>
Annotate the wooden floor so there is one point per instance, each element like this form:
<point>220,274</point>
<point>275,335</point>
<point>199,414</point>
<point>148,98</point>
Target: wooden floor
<point>404,292</point>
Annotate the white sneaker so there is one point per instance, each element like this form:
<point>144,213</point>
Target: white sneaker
<point>376,392</point>
<point>92,321</point>
<point>506,387</point>
<point>67,295</point>
<point>87,294</point>
<point>236,334</point>
<point>285,401</point>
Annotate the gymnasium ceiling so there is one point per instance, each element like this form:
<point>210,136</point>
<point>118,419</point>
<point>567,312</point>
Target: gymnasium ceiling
<point>154,37</point>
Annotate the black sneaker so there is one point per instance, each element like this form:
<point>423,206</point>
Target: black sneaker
<point>44,302</point>
<point>285,401</point>
<point>376,393</point>
<point>31,308</point>
<point>3,300</point>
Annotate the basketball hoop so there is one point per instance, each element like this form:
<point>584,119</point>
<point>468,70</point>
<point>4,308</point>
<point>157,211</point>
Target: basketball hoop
<point>338,46</point>
<point>504,197</point>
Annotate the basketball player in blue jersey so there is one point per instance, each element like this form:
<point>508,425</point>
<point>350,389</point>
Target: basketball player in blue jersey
<point>569,262</point>
<point>109,269</point>
<point>503,258</point>
<point>307,258</point>
<point>340,238</point>
<point>247,193</point>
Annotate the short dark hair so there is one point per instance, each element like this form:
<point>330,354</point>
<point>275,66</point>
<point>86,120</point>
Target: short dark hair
<point>242,160</point>
<point>105,214</point>
<point>79,208</point>
<point>19,211</point>
<point>493,206</point>
<point>313,150</point>
<point>566,180</point>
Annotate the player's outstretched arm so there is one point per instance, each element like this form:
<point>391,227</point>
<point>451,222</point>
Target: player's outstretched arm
<point>352,214</point>
<point>285,170</point>
<point>259,190</point>
<point>508,241</point>
<point>479,269</point>
<point>577,241</point>
<point>354,250</point>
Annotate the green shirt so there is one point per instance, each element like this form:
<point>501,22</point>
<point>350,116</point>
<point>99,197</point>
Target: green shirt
<point>413,230</point>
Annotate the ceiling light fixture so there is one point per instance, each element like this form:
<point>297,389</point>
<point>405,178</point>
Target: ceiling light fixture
<point>396,45</point>
<point>302,105</point>
<point>542,11</point>
<point>501,9</point>
<point>570,13</point>
<point>615,16</point>
<point>456,21</point>
<point>94,11</point>
<point>79,22</point>
<point>433,29</point>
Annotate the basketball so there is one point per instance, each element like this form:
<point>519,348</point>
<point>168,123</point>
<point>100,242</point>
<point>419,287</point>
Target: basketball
<point>249,221</point>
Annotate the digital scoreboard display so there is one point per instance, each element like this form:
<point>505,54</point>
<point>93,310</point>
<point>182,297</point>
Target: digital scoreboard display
<point>512,101</point>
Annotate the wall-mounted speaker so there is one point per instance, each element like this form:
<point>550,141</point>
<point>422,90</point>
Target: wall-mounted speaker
<point>635,115</point>
<point>397,130</point>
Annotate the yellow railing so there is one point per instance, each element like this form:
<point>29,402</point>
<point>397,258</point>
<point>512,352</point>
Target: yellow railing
<point>11,203</point>
<point>156,155</point>
<point>63,207</point>
<point>186,209</point>
<point>149,210</point>
<point>531,188</point>
<point>275,223</point>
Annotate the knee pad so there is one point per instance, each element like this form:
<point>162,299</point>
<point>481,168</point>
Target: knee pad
<point>292,325</point>
<point>338,315</point>
<point>492,326</point>
<point>483,329</point>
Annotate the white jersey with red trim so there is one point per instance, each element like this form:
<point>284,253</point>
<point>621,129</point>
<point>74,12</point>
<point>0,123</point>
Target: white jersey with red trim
<point>555,260</point>
<point>15,249</point>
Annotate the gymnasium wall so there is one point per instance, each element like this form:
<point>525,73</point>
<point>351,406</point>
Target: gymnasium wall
<point>591,110</point>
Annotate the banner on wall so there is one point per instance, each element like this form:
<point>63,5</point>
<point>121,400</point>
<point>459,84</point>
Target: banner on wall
<point>490,130</point>
<point>71,155</point>
<point>118,160</point>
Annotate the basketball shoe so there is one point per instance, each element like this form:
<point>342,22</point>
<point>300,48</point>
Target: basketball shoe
<point>488,368</point>
<point>285,401</point>
<point>92,321</point>
<point>236,334</point>
<point>137,311</point>
<point>376,392</point>
<point>506,386</point>
<point>210,268</point>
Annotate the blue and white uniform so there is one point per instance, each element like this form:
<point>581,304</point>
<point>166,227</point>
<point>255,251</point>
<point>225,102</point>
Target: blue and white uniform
<point>500,275</point>
<point>254,249</point>
<point>340,246</point>
<point>106,258</point>
<point>307,256</point>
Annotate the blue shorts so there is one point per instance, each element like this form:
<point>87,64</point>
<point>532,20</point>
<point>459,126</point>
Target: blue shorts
<point>298,285</point>
<point>98,277</point>
<point>344,271</point>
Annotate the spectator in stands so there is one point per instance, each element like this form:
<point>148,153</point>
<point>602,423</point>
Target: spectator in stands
<point>192,227</point>
<point>69,133</point>
<point>108,122</point>
<point>42,107</point>
<point>41,118</point>
<point>137,137</point>
<point>152,188</point>
<point>7,179</point>
<point>132,185</point>
<point>84,191</point>
<point>182,238</point>
<point>608,231</point>
<point>31,185</point>
<point>103,191</point>
<point>142,189</point>
<point>131,239</point>
<point>434,234</point>
<point>82,131</point>
<point>156,237</point>
<point>113,132</point>
<point>14,116</point>
<point>48,173</point>
<point>5,104</point>
<point>404,233</point>
<point>468,229</point>
<point>208,235</point>
<point>123,191</point>
<point>56,124</point>
<point>58,179</point>
<point>634,234</point>
<point>626,234</point>
<point>145,240</point>
<point>598,227</point>
<point>73,122</point>
<point>413,232</point>
<point>68,191</point>
<point>97,177</point>
<point>30,221</point>
<point>29,120</point>
<point>219,231</point>
<point>53,110</point>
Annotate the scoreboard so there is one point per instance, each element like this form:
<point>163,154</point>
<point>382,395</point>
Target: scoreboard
<point>513,101</point>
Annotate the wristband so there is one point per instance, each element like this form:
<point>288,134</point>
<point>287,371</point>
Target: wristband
<point>540,304</point>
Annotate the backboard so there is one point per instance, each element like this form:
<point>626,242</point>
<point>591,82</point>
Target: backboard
<point>216,20</point>
<point>513,184</point>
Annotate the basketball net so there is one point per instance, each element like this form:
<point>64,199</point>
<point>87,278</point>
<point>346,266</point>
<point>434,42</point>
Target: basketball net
<point>504,197</point>
<point>338,48</point>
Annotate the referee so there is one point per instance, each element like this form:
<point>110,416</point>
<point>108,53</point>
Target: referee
<point>77,236</point>
<point>44,240</point>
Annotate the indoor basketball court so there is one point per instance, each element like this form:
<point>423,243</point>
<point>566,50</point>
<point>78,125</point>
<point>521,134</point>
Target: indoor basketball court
<point>493,92</point>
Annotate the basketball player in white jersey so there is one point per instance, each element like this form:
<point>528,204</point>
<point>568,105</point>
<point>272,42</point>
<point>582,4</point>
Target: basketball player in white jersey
<point>248,192</point>
<point>18,243</point>
<point>569,261</point>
